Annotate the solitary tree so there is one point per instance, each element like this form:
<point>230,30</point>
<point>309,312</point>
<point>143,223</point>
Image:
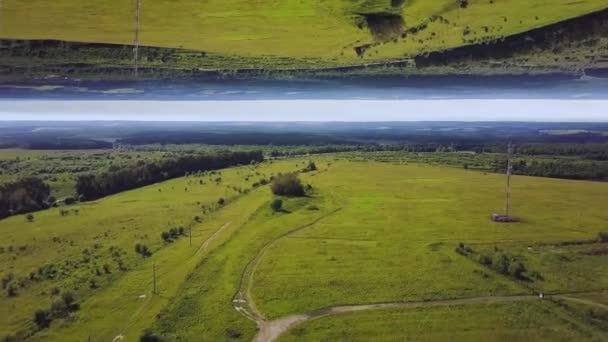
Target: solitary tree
<point>276,205</point>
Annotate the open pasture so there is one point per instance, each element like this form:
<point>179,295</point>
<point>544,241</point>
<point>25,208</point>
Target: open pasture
<point>369,235</point>
<point>322,33</point>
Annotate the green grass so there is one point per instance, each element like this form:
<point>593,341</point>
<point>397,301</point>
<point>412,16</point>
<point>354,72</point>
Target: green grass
<point>393,239</point>
<point>401,225</point>
<point>304,32</point>
<point>487,322</point>
<point>564,269</point>
<point>116,223</point>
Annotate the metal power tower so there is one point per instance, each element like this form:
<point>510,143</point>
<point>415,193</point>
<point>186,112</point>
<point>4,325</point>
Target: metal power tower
<point>136,39</point>
<point>509,171</point>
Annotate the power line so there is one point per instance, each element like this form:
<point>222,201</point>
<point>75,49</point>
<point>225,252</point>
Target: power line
<point>136,39</point>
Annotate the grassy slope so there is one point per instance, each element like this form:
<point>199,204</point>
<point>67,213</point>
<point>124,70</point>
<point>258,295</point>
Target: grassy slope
<point>405,238</point>
<point>204,310</point>
<point>494,322</point>
<point>118,221</point>
<point>323,31</point>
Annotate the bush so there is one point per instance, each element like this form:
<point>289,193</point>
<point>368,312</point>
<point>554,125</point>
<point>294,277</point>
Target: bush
<point>12,291</point>
<point>276,205</point>
<point>287,185</point>
<point>603,236</point>
<point>221,201</point>
<point>142,250</point>
<point>148,336</point>
<point>42,318</point>
<point>485,260</point>
<point>29,218</point>
<point>518,270</point>
<point>310,167</point>
<point>165,236</point>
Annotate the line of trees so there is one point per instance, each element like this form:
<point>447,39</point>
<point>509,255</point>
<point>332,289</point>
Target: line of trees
<point>93,186</point>
<point>24,196</point>
<point>568,169</point>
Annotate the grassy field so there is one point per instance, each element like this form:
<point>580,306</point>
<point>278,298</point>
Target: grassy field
<point>369,232</point>
<point>306,33</point>
<point>70,251</point>
<point>495,322</point>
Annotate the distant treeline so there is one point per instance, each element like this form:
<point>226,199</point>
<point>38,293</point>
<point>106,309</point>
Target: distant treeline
<point>53,143</point>
<point>591,151</point>
<point>24,196</point>
<point>90,187</point>
<point>229,138</point>
<point>558,168</point>
<point>583,151</point>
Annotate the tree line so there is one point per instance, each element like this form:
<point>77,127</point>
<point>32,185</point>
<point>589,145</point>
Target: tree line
<point>24,196</point>
<point>94,186</point>
<point>568,169</point>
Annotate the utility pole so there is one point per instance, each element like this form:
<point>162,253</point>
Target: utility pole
<point>136,39</point>
<point>154,278</point>
<point>509,171</point>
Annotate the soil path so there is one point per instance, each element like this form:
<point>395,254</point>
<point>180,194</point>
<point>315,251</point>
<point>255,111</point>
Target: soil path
<point>271,330</point>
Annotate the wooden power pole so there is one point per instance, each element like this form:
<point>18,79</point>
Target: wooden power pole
<point>154,278</point>
<point>509,171</point>
<point>136,40</point>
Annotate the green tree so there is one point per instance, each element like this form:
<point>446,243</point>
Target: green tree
<point>276,205</point>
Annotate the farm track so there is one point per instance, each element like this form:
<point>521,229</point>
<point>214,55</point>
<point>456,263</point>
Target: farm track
<point>242,301</point>
<point>204,245</point>
<point>271,330</point>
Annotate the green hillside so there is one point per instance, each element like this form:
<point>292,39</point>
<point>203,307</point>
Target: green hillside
<point>368,232</point>
<point>237,34</point>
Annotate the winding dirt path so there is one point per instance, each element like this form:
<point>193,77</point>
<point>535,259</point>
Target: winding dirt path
<point>271,330</point>
<point>242,301</point>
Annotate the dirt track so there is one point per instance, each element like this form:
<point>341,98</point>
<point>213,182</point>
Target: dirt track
<point>271,330</point>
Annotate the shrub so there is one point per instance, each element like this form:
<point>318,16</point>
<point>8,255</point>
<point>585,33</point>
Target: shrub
<point>276,205</point>
<point>233,334</point>
<point>485,260</point>
<point>29,218</point>
<point>148,336</point>
<point>310,167</point>
<point>142,250</point>
<point>42,318</point>
<point>11,290</point>
<point>603,236</point>
<point>165,236</point>
<point>287,185</point>
<point>221,201</point>
<point>517,270</point>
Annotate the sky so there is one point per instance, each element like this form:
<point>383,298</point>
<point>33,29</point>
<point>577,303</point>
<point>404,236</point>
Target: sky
<point>310,110</point>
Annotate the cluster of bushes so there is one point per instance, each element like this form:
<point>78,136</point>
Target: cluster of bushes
<point>509,265</point>
<point>90,187</point>
<point>24,196</point>
<point>142,250</point>
<point>60,308</point>
<point>173,234</point>
<point>287,184</point>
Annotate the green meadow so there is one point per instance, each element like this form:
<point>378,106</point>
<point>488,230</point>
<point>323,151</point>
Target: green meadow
<point>368,232</point>
<point>322,33</point>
